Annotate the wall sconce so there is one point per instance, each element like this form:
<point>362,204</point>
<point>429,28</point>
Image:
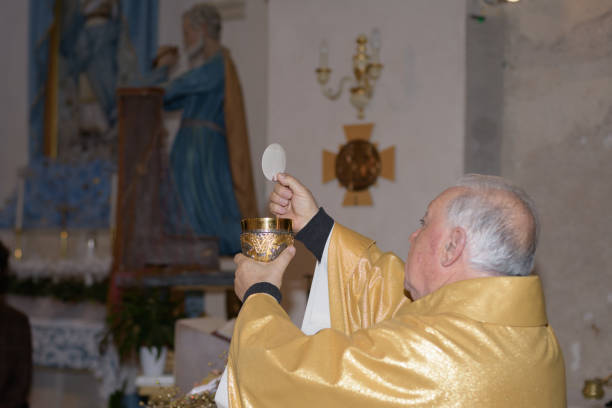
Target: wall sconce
<point>366,70</point>
<point>479,6</point>
<point>494,2</point>
<point>594,389</point>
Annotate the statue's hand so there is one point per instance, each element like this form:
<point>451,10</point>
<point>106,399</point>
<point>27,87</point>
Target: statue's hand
<point>291,199</point>
<point>167,56</point>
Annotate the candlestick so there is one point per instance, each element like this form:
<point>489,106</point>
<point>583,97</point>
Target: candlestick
<point>323,54</point>
<point>90,240</point>
<point>63,243</point>
<point>376,42</point>
<point>113,201</point>
<point>19,207</point>
<point>18,251</point>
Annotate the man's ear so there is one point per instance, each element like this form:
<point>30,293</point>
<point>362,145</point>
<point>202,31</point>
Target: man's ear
<point>454,247</point>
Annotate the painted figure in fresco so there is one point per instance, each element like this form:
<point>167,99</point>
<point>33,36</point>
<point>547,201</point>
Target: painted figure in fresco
<point>80,51</point>
<point>210,157</point>
<point>94,59</point>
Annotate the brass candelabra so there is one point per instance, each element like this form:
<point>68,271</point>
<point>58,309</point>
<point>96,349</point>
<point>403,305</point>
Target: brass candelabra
<point>366,70</point>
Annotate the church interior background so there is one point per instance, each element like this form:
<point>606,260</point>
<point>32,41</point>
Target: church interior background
<point>517,89</point>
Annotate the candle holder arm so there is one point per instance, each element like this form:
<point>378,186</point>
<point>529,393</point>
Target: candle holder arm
<point>330,94</point>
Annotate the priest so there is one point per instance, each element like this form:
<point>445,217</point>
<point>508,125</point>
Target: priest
<point>472,331</point>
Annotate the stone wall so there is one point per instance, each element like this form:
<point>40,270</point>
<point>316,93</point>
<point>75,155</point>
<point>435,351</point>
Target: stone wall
<point>552,117</point>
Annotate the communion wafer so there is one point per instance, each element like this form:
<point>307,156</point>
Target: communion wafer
<point>273,161</point>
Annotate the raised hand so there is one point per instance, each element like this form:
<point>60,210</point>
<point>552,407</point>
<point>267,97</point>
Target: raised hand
<point>291,199</point>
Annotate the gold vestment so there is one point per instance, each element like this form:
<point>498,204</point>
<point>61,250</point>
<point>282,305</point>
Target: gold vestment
<point>475,343</point>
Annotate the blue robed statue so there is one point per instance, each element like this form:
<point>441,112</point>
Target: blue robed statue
<point>209,158</point>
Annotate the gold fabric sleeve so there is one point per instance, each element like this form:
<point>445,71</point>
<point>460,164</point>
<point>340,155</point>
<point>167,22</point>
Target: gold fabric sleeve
<point>238,141</point>
<point>365,284</point>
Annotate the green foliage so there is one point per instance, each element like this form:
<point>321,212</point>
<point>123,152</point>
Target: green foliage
<point>114,401</point>
<point>145,317</point>
<point>67,290</point>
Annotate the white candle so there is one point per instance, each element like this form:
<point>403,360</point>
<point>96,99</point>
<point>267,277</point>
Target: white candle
<point>376,42</point>
<point>113,201</point>
<point>20,202</point>
<point>91,247</point>
<point>323,54</point>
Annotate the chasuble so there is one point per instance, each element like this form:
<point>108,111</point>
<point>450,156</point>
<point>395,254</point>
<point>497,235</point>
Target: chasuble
<point>475,343</point>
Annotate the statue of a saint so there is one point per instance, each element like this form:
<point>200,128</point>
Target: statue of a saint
<point>209,158</point>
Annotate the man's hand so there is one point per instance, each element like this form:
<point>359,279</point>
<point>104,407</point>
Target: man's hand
<point>250,272</point>
<point>290,199</point>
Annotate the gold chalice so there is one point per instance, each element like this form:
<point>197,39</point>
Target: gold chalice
<point>263,239</point>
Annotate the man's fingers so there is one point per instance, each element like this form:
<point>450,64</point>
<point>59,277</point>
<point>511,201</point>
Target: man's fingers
<point>291,182</point>
<point>283,191</point>
<point>285,257</point>
<point>277,199</point>
<point>239,258</point>
<point>277,209</point>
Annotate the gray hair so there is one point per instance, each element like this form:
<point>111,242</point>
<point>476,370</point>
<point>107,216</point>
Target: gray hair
<point>495,242</point>
<point>208,15</point>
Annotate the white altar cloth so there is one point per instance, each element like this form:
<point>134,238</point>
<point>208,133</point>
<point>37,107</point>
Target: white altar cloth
<point>67,335</point>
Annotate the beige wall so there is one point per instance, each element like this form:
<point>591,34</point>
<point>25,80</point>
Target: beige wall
<point>557,142</point>
<point>418,104</point>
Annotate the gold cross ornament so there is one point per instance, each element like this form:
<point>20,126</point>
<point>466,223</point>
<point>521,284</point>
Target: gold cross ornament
<point>358,164</point>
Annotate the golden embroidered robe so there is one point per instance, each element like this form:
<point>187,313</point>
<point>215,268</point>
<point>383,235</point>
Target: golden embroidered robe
<point>476,343</point>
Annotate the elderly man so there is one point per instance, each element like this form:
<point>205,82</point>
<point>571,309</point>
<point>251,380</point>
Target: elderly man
<point>475,333</point>
<point>210,158</point>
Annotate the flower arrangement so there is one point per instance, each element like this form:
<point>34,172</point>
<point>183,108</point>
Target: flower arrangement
<point>145,317</point>
<point>171,398</point>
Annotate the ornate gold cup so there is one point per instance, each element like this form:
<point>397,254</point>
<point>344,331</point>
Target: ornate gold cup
<point>263,239</point>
